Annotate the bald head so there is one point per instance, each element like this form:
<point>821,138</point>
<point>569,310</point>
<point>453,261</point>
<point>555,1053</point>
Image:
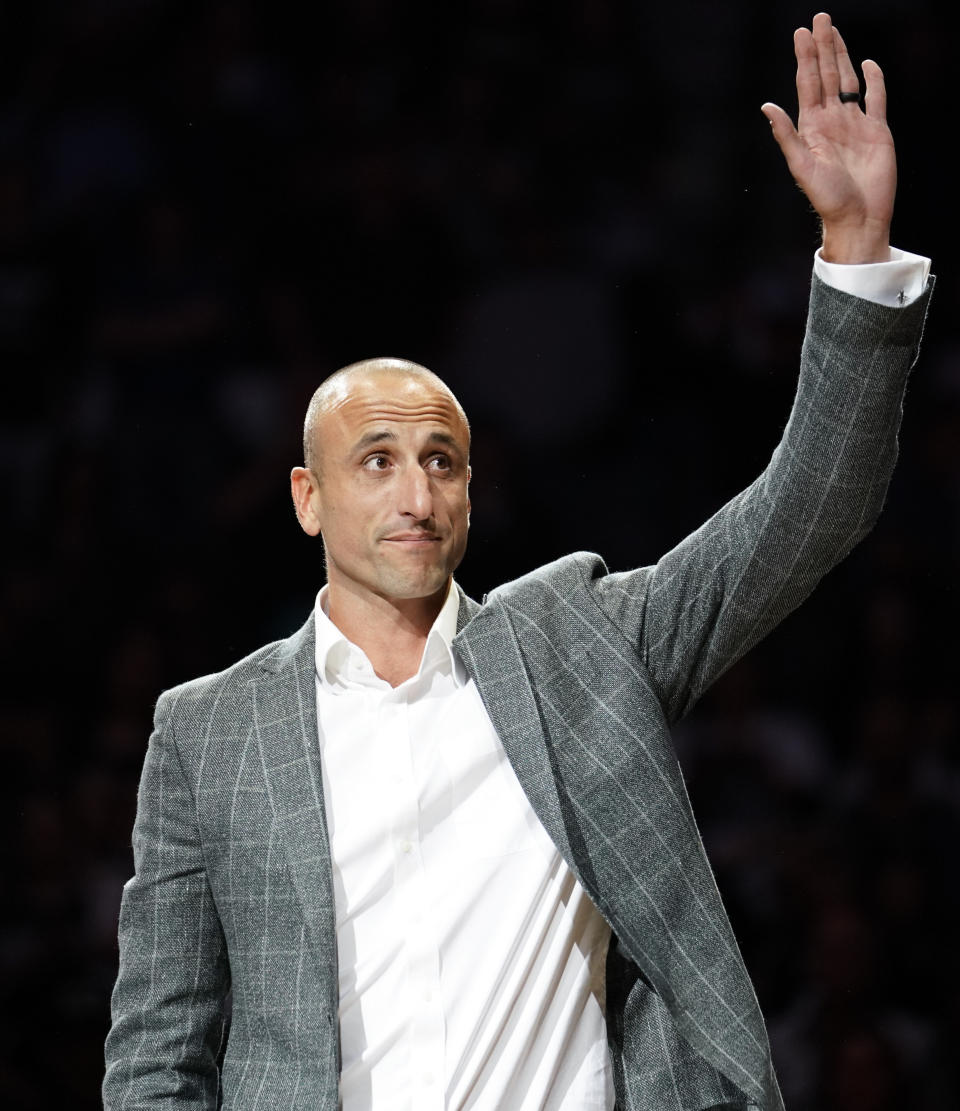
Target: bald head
<point>335,390</point>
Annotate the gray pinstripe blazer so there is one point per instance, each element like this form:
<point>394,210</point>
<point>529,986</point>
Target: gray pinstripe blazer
<point>582,673</point>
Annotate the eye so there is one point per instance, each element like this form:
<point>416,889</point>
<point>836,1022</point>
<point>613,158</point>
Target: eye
<point>376,462</point>
<point>439,463</point>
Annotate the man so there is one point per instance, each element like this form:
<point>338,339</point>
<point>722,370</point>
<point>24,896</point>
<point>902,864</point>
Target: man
<point>441,855</point>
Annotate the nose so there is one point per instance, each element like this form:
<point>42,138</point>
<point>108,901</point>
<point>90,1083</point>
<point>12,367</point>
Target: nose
<point>416,496</point>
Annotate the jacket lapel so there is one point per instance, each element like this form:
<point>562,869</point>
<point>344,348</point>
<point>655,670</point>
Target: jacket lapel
<point>284,703</point>
<point>285,723</point>
<point>490,652</point>
<point>500,665</point>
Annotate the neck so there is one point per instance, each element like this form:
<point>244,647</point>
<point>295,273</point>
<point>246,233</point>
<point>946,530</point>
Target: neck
<point>392,632</point>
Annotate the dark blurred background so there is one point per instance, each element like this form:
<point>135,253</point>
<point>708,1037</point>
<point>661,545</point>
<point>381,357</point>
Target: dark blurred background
<point>573,212</point>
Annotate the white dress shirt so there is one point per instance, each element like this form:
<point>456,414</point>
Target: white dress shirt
<point>471,961</point>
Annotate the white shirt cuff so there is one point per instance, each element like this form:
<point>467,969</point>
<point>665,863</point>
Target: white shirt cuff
<point>895,283</point>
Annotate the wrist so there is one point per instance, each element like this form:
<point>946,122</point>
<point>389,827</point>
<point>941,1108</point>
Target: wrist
<point>860,243</point>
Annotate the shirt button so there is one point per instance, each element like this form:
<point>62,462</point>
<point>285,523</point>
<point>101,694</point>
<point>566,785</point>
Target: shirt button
<point>405,846</point>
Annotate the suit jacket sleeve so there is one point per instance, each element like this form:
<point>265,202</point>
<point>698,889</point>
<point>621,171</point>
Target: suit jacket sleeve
<point>168,1003</point>
<point>725,586</point>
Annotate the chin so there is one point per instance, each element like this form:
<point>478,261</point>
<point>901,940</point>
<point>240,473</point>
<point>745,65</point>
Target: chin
<point>426,588</point>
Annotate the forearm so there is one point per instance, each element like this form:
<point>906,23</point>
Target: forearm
<point>830,472</point>
<point>168,1002</point>
<point>724,587</point>
<point>862,242</point>
<point>168,1020</point>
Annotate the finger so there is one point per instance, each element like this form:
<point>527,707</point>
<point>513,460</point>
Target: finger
<point>809,90</point>
<point>826,56</point>
<point>875,102</point>
<point>849,82</point>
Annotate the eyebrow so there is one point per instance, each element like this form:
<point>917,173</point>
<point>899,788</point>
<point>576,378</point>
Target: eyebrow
<point>446,439</point>
<point>375,437</point>
<point>384,435</point>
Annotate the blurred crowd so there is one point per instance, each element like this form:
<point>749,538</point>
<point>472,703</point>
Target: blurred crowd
<point>574,213</point>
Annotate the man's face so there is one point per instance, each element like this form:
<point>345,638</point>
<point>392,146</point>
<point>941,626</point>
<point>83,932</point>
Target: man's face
<point>391,495</point>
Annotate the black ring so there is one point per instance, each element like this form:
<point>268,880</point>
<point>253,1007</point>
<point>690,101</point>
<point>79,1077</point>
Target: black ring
<point>849,98</point>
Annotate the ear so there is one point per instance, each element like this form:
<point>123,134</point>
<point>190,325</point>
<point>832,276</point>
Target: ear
<point>306,497</point>
<point>469,476</point>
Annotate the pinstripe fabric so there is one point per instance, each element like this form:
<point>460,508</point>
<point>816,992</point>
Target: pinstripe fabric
<point>582,673</point>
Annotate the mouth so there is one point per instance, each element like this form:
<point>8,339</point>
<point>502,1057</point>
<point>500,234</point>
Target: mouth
<point>413,539</point>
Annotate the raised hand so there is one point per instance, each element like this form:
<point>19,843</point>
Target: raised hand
<point>841,156</point>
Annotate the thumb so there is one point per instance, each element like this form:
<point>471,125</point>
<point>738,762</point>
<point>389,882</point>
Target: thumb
<point>787,137</point>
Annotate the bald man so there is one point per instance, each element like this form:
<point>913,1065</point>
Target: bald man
<point>432,854</point>
<point>386,447</point>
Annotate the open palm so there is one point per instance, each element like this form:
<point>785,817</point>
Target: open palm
<point>841,156</point>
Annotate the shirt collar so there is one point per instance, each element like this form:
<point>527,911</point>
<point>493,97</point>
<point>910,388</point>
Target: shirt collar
<point>341,664</point>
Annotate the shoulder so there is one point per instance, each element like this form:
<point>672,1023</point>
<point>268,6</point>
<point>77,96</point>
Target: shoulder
<point>553,581</point>
<point>578,573</point>
<point>201,696</point>
<point>565,599</point>
<point>559,620</point>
